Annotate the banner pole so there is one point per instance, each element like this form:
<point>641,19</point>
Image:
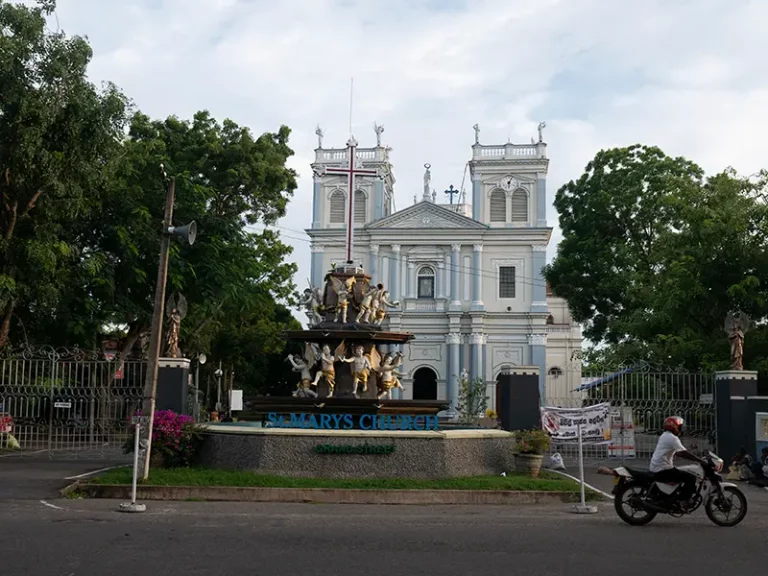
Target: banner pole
<point>582,508</point>
<point>581,468</point>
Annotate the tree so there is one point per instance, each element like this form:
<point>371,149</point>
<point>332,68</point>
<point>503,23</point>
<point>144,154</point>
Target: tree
<point>59,138</point>
<point>654,255</point>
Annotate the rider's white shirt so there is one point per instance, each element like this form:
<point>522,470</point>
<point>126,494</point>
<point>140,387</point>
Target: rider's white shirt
<point>663,456</point>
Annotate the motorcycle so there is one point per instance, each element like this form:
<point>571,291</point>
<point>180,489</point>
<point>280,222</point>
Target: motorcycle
<point>646,497</point>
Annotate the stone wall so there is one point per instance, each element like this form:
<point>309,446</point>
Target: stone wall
<point>290,452</point>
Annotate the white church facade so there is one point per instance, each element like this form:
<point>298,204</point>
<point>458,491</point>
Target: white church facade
<point>467,275</point>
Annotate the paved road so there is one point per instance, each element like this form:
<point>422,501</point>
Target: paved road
<point>87,538</point>
<point>37,476</point>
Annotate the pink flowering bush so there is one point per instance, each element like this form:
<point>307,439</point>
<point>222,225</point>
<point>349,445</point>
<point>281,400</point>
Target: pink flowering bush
<point>175,438</point>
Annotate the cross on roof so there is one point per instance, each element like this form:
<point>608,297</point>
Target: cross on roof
<point>451,192</point>
<point>351,171</point>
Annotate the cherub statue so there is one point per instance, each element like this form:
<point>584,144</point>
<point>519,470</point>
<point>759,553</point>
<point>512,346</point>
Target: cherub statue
<point>379,302</point>
<point>304,365</point>
<point>736,325</point>
<point>362,366</point>
<point>389,375</point>
<point>327,369</point>
<point>176,310</point>
<point>366,305</point>
<point>342,289</point>
<point>313,302</point>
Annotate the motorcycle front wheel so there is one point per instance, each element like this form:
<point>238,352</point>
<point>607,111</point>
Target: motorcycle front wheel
<point>732,501</point>
<point>629,496</point>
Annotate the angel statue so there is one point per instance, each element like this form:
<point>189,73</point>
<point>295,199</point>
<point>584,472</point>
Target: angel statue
<point>176,310</point>
<point>366,304</point>
<point>379,303</point>
<point>362,365</point>
<point>342,290</point>
<point>303,364</point>
<point>327,369</point>
<point>313,302</point>
<point>389,375</point>
<point>736,325</point>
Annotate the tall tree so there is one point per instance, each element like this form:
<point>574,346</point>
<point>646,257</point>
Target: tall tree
<point>654,255</point>
<point>59,138</point>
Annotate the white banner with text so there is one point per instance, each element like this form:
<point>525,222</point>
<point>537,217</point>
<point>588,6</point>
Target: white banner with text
<point>563,423</point>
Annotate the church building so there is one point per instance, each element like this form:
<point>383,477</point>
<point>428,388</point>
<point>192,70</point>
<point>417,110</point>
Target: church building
<point>467,274</point>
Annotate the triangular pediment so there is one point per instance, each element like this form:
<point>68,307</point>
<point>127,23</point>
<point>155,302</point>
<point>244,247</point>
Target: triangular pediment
<point>426,215</point>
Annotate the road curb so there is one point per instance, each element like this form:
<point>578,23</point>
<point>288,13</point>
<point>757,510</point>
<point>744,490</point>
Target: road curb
<point>322,495</point>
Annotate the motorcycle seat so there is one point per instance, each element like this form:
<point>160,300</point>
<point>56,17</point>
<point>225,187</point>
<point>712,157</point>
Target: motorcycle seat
<point>641,475</point>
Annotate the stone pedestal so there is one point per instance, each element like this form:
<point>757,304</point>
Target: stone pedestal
<point>173,385</point>
<point>518,399</point>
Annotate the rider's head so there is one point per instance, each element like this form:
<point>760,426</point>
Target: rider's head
<point>674,424</point>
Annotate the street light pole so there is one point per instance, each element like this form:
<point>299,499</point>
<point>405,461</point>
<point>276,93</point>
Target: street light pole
<point>219,373</point>
<point>150,386</point>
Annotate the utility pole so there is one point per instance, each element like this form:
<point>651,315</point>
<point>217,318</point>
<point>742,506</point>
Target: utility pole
<point>188,232</point>
<point>150,386</point>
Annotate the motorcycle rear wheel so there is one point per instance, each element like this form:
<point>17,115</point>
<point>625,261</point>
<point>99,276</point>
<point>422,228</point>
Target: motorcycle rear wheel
<point>711,509</point>
<point>620,499</point>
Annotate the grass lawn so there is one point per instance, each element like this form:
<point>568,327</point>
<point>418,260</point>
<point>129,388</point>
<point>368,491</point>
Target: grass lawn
<point>548,481</point>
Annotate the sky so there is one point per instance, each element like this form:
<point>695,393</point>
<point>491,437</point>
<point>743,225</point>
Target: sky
<point>689,76</point>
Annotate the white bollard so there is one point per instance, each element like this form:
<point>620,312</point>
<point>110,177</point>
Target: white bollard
<point>133,506</point>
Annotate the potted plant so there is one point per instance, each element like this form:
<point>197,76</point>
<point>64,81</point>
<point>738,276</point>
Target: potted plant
<point>530,447</point>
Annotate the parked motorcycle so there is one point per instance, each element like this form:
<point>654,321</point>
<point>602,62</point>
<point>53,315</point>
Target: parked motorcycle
<point>639,498</point>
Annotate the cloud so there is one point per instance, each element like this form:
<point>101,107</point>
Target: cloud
<point>687,75</point>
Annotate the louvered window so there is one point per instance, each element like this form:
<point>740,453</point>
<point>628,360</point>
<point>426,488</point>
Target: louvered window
<point>506,282</point>
<point>361,207</point>
<point>498,206</point>
<point>519,206</point>
<point>337,207</point>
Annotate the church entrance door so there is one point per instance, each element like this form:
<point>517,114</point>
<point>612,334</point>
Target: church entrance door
<point>425,384</point>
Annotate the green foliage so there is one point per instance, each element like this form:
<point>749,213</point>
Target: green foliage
<point>535,441</point>
<point>547,481</point>
<point>59,138</point>
<point>473,400</point>
<point>654,256</point>
<point>83,201</point>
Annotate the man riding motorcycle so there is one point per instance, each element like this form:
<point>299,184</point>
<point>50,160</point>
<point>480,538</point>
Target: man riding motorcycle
<point>662,461</point>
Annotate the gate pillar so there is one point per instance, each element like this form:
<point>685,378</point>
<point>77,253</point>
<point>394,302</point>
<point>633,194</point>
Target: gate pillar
<point>172,385</point>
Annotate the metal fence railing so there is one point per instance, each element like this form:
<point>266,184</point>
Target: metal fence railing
<point>69,403</point>
<point>640,400</point>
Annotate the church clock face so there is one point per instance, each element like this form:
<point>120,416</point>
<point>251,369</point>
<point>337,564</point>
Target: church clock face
<point>509,183</point>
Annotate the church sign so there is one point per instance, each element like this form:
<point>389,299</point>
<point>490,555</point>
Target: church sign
<point>402,422</point>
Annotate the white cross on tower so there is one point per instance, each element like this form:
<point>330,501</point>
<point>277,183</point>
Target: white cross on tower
<point>350,171</point>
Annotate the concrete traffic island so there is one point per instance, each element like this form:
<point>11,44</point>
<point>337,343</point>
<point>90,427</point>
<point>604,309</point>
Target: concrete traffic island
<point>325,495</point>
<point>357,453</point>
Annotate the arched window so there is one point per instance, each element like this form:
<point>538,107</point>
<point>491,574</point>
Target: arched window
<point>550,319</point>
<point>337,207</point>
<point>498,206</point>
<point>519,206</point>
<point>361,207</point>
<point>425,282</point>
<point>555,372</point>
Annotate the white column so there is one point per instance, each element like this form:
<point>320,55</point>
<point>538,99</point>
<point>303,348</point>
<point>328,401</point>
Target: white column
<point>394,277</point>
<point>477,272</point>
<point>440,281</point>
<point>455,266</point>
<point>453,340</point>
<point>374,265</point>
<point>411,282</point>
